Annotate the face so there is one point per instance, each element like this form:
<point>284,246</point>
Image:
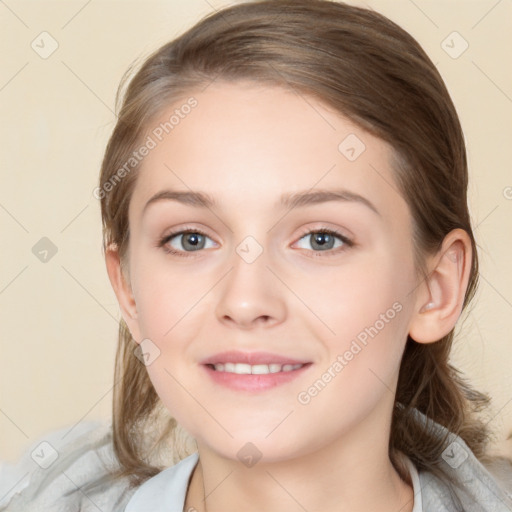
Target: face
<point>299,270</point>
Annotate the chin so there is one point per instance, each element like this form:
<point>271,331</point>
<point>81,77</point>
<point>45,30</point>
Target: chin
<point>251,447</point>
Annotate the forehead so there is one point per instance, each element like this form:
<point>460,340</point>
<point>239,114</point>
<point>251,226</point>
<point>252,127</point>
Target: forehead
<point>247,144</point>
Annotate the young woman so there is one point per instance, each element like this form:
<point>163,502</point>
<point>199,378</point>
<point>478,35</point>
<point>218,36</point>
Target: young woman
<point>287,233</point>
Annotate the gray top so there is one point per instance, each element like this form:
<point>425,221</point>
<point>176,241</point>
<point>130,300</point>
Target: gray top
<point>69,470</point>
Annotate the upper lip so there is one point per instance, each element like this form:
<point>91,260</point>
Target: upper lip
<point>251,358</point>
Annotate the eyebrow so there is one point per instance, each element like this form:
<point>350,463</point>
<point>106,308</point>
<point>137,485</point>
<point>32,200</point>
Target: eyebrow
<point>294,200</point>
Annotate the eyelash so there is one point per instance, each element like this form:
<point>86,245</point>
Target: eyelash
<point>324,230</point>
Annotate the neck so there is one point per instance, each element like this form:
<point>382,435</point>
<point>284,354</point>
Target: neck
<point>352,473</point>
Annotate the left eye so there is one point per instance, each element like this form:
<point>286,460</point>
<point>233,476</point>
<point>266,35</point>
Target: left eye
<point>324,240</point>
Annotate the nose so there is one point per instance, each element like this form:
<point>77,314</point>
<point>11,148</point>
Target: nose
<point>251,295</point>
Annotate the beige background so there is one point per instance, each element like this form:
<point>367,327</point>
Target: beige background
<point>59,318</point>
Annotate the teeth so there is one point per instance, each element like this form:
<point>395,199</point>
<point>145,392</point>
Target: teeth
<point>242,368</point>
<point>260,369</point>
<point>229,367</point>
<point>257,369</point>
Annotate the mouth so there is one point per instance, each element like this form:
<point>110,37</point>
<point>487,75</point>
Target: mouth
<point>255,372</point>
<point>257,369</point>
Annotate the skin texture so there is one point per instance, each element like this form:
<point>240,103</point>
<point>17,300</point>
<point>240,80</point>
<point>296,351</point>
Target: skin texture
<point>245,145</point>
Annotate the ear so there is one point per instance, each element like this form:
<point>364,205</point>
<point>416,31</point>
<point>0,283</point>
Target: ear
<point>440,297</point>
<point>122,289</point>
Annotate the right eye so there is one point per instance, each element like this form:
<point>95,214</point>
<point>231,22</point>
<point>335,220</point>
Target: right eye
<point>190,240</point>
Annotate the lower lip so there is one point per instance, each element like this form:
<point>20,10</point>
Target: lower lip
<point>250,382</point>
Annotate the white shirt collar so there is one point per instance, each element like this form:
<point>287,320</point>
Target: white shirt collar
<point>166,491</point>
<point>416,485</point>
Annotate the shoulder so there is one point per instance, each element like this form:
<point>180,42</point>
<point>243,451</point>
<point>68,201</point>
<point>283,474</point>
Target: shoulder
<point>480,487</point>
<point>501,470</point>
<point>68,469</point>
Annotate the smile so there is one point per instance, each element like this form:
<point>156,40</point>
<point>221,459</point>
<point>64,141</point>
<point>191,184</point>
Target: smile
<point>253,371</point>
<point>257,369</point>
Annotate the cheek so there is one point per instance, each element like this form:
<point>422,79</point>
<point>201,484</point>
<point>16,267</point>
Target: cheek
<point>353,297</point>
<point>164,295</point>
<point>368,310</point>
<point>363,357</point>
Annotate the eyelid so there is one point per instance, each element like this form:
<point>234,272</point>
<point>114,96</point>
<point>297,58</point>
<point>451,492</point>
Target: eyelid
<point>185,229</point>
<point>323,228</point>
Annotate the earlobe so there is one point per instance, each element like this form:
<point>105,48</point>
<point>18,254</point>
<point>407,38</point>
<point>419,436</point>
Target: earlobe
<point>440,297</point>
<point>122,290</point>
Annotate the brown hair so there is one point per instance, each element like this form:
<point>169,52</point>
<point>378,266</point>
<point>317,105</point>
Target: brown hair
<point>370,70</point>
